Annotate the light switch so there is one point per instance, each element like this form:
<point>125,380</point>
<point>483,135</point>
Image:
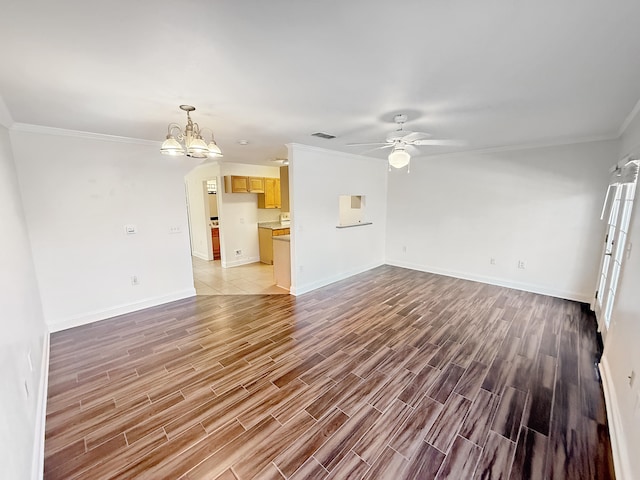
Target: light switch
<point>130,229</point>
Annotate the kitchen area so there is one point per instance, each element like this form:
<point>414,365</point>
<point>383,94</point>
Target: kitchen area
<point>246,246</point>
<point>272,195</point>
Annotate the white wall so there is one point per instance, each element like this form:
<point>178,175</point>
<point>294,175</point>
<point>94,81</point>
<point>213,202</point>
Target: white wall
<point>322,253</point>
<point>630,140</point>
<point>79,191</point>
<point>622,347</point>
<point>238,216</point>
<point>23,331</point>
<point>454,213</point>
<point>198,216</point>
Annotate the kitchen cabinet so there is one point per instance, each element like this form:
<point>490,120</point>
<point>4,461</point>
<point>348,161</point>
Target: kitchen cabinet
<point>256,184</point>
<point>284,189</point>
<point>240,184</point>
<point>265,242</point>
<point>215,243</point>
<point>271,196</point>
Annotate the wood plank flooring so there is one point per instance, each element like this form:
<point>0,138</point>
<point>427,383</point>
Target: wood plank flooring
<point>391,374</point>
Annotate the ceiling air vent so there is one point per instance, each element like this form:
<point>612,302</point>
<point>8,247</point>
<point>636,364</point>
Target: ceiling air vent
<point>326,136</point>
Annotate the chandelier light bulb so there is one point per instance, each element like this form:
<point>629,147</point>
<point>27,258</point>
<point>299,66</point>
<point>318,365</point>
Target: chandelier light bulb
<point>171,147</point>
<point>214,150</point>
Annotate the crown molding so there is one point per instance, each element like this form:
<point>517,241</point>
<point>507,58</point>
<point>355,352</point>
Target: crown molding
<point>630,118</point>
<point>526,146</point>
<point>63,132</point>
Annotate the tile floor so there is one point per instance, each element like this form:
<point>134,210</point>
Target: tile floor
<point>210,278</point>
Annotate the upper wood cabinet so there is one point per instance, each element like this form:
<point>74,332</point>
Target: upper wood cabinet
<point>239,184</point>
<point>256,184</point>
<point>271,196</point>
<point>235,184</point>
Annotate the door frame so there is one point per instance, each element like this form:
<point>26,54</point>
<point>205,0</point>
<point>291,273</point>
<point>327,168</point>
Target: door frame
<point>614,250</point>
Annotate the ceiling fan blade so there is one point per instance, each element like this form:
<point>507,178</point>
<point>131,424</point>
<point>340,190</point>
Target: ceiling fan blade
<point>413,151</point>
<point>376,148</point>
<point>364,144</point>
<point>433,141</point>
<point>413,136</point>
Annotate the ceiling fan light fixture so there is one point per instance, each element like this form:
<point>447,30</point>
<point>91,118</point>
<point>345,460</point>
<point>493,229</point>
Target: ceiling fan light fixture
<point>399,158</point>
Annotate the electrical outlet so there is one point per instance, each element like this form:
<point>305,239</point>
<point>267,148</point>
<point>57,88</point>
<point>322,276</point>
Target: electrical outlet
<point>522,264</point>
<point>130,229</point>
<point>134,280</point>
<point>175,229</point>
<point>492,261</point>
<point>238,252</point>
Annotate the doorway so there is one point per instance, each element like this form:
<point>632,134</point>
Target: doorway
<point>205,207</point>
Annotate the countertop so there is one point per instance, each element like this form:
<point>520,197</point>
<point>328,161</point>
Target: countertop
<point>282,238</point>
<point>274,225</point>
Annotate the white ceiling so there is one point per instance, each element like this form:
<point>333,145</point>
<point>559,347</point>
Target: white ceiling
<point>494,73</point>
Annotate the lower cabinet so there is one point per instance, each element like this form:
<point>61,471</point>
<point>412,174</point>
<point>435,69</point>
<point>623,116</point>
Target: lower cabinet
<point>215,243</point>
<point>266,245</point>
<point>265,240</point>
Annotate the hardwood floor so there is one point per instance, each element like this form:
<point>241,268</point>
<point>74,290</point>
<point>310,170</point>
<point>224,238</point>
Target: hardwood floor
<point>392,374</point>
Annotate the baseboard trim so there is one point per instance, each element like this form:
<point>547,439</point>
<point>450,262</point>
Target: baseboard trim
<point>91,317</point>
<point>618,445</point>
<point>300,290</point>
<point>526,287</point>
<point>237,263</point>
<point>201,256</point>
<point>37,465</point>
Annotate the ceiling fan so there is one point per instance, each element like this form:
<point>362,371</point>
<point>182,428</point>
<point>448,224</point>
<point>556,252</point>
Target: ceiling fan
<point>401,140</point>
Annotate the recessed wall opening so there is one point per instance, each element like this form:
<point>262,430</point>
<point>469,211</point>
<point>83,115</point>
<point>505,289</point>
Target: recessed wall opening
<point>351,210</point>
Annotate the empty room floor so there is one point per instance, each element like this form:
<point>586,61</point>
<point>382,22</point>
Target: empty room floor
<point>209,278</point>
<point>391,374</point>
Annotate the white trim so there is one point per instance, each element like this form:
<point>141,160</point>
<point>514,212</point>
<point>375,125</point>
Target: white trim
<point>299,290</point>
<point>526,287</point>
<point>558,142</point>
<point>525,146</point>
<point>63,132</point>
<point>237,263</point>
<point>95,316</point>
<point>37,461</point>
<point>630,118</point>
<point>618,445</point>
<point>201,256</point>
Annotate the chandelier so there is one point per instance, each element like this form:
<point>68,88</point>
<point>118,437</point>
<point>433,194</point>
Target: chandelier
<point>194,146</point>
